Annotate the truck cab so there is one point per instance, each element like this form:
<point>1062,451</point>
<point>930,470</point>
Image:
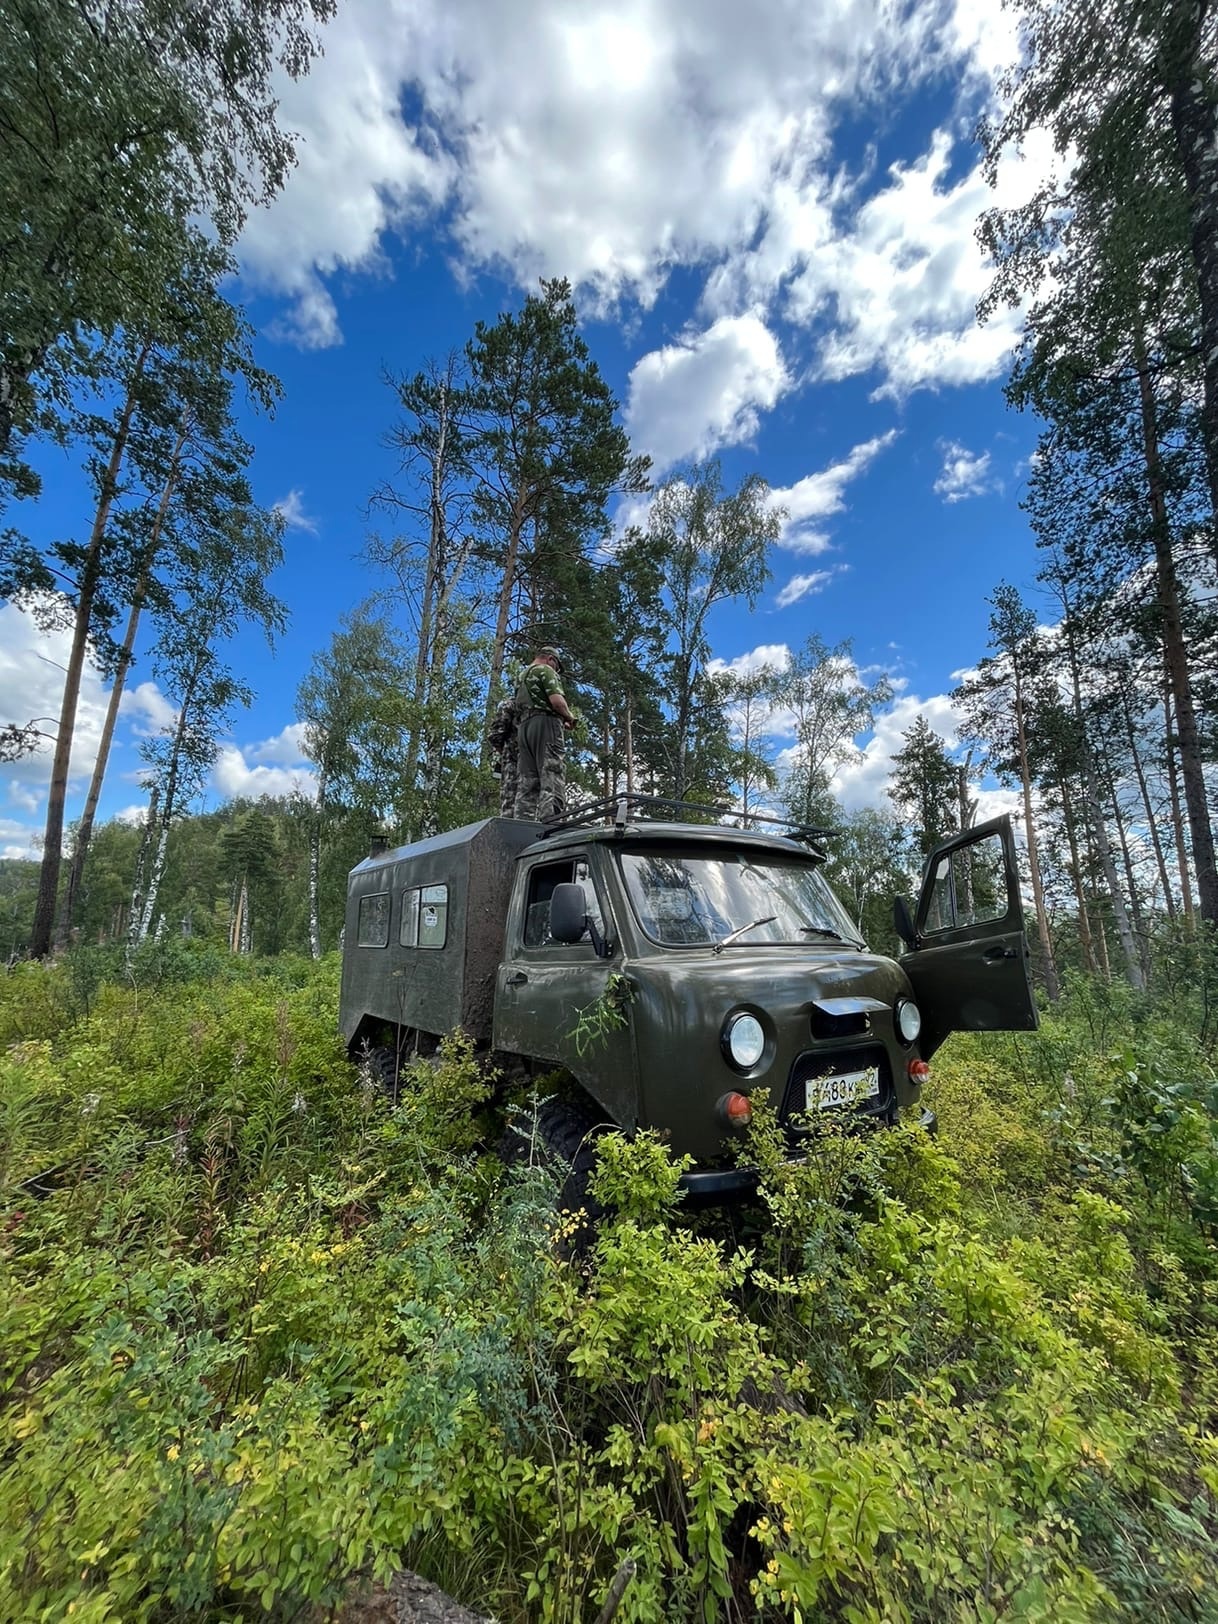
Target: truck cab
<point>678,972</point>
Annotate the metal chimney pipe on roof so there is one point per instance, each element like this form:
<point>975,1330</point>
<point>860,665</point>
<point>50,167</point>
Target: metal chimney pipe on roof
<point>379,842</point>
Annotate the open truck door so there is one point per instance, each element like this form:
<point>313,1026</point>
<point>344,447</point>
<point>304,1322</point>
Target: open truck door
<point>968,963</point>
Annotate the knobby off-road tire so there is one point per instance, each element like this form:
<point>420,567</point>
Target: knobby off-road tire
<point>383,1062</point>
<point>561,1137</point>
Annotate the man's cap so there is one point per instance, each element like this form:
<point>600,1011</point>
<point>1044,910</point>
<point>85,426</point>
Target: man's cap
<point>550,654</point>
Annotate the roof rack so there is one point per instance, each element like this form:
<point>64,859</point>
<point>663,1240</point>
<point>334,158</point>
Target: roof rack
<point>616,809</point>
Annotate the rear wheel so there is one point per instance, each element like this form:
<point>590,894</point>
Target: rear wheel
<point>383,1064</point>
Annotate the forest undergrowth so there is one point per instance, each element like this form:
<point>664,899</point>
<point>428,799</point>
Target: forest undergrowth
<point>264,1336</point>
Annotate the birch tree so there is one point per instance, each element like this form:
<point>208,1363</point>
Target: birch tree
<point>830,704</point>
<point>121,128</point>
<point>223,586</point>
<point>346,703</point>
<point>711,545</point>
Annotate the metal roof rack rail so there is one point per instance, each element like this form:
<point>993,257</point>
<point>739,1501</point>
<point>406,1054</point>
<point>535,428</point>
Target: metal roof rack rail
<point>617,809</point>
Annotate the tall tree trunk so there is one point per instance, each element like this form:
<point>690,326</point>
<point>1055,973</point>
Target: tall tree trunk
<point>1177,812</point>
<point>1048,965</point>
<point>1131,883</point>
<point>169,796</point>
<point>85,832</point>
<point>154,881</point>
<point>1148,811</point>
<point>315,865</point>
<point>90,575</point>
<point>683,722</point>
<point>1188,75</point>
<point>1076,875</point>
<point>136,912</point>
<point>1101,941</point>
<point>1192,766</point>
<point>237,925</point>
<point>506,593</point>
<point>1103,848</point>
<point>1091,794</point>
<point>433,578</point>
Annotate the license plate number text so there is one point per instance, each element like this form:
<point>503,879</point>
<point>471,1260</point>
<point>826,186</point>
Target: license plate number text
<point>845,1088</point>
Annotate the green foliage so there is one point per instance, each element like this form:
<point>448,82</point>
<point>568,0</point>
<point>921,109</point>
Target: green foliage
<point>262,1333</point>
<point>604,1015</point>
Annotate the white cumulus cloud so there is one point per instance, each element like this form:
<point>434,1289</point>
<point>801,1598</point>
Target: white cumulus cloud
<point>233,776</point>
<point>902,280</point>
<point>802,586</point>
<point>286,749</point>
<point>865,782</point>
<point>615,141</point>
<point>775,655</point>
<point>291,510</point>
<point>705,391</point>
<point>819,496</point>
<point>965,473</point>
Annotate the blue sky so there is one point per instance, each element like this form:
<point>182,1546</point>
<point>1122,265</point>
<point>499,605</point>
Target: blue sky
<point>768,213</point>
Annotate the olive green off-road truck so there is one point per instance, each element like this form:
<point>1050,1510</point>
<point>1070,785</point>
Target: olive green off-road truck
<point>678,972</point>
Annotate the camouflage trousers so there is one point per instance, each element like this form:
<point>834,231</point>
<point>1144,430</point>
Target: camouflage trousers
<point>541,767</point>
<point>508,777</point>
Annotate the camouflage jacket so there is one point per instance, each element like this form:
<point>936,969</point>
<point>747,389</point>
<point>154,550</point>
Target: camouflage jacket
<point>503,725</point>
<point>536,685</point>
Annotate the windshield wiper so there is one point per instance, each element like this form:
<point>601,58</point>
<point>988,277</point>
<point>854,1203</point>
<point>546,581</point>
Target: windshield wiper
<point>752,925</point>
<point>822,930</point>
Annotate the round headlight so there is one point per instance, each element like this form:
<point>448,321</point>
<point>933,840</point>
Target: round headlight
<point>745,1041</point>
<point>909,1020</point>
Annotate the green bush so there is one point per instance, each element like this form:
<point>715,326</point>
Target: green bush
<point>263,1335</point>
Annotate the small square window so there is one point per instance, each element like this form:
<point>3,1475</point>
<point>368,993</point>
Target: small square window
<point>433,916</point>
<point>373,928</point>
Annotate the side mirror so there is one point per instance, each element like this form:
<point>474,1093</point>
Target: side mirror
<point>902,921</point>
<point>568,913</point>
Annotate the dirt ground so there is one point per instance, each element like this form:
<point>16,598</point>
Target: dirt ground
<point>409,1600</point>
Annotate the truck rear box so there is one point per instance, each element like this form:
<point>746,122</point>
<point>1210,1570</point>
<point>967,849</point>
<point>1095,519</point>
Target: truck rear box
<point>423,934</point>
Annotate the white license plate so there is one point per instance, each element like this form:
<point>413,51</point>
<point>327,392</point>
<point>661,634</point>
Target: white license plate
<point>845,1088</point>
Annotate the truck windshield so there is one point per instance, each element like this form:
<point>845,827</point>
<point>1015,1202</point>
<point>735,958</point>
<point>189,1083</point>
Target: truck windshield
<point>699,898</point>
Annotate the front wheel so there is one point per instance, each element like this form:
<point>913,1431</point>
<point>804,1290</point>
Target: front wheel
<point>561,1137</point>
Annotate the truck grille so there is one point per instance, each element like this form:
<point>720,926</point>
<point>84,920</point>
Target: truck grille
<point>881,1107</point>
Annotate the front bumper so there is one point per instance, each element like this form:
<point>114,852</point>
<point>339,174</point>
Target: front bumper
<point>712,1184</point>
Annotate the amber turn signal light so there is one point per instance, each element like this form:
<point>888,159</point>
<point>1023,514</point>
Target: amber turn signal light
<point>736,1110</point>
<point>919,1070</point>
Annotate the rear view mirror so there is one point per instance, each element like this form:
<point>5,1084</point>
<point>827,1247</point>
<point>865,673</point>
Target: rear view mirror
<point>568,913</point>
<point>902,921</point>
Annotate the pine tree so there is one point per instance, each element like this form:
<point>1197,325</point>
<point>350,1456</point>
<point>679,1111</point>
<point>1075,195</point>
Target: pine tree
<point>546,455</point>
<point>925,787</point>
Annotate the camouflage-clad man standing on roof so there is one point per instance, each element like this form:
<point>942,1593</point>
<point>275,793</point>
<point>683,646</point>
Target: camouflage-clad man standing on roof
<point>504,744</point>
<point>540,761</point>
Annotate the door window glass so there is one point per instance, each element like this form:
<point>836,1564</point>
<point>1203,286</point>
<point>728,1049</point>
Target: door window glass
<point>969,886</point>
<point>542,881</point>
<point>373,927</point>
